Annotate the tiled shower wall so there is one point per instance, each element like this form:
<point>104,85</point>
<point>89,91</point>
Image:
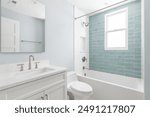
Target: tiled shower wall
<point>121,62</point>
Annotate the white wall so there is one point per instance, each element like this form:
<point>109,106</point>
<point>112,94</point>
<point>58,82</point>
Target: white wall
<point>81,41</point>
<point>59,36</point>
<point>147,50</point>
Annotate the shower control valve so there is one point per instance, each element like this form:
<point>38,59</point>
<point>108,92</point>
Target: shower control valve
<point>84,59</point>
<point>85,68</point>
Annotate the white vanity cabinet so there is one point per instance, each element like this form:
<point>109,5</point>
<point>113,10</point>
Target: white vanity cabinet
<point>38,96</point>
<point>55,93</point>
<point>47,88</point>
<point>2,95</point>
<point>52,93</point>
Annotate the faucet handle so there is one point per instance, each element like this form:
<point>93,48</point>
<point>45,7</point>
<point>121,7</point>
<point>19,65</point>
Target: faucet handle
<point>36,65</point>
<point>21,66</point>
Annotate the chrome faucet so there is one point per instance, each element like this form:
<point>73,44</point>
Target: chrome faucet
<point>31,56</point>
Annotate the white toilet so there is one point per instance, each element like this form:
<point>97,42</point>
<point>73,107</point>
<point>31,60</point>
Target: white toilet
<point>78,90</point>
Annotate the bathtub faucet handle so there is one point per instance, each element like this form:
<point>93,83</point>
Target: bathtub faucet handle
<point>85,68</point>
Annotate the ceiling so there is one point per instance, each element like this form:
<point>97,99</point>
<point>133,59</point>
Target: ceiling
<point>32,8</point>
<point>88,6</point>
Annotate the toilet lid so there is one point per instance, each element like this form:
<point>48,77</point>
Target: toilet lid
<point>81,87</point>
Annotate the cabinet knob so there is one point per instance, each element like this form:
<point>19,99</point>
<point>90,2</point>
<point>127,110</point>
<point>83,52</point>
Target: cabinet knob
<point>42,98</point>
<point>46,95</point>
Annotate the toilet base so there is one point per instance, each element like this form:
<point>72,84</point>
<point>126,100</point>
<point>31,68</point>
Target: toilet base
<point>82,98</point>
<point>72,96</point>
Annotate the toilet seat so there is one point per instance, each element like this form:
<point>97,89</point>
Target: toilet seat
<point>81,87</point>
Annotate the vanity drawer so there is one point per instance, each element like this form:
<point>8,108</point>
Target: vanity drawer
<point>24,90</point>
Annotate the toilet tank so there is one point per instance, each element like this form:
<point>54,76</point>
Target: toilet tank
<point>71,76</point>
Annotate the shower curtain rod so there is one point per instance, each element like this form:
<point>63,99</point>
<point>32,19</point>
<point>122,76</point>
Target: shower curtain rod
<point>102,9</point>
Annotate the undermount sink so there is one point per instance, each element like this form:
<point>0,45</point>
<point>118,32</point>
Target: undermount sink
<point>34,72</point>
<point>43,70</point>
<point>12,75</point>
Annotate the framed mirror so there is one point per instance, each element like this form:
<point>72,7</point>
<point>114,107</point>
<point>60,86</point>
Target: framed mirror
<point>22,26</point>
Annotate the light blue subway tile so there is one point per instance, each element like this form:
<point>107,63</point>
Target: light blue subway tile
<point>121,62</point>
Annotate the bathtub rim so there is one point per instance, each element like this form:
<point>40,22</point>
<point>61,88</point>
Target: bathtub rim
<point>106,82</point>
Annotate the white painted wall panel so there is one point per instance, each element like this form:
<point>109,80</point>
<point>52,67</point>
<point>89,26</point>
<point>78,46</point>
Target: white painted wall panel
<point>147,49</point>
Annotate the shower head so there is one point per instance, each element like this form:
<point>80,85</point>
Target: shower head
<point>35,1</point>
<point>13,1</point>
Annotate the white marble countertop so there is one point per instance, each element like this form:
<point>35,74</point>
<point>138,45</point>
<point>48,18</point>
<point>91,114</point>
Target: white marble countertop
<point>10,79</point>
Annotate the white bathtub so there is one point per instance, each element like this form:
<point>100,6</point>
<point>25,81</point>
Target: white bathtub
<point>113,87</point>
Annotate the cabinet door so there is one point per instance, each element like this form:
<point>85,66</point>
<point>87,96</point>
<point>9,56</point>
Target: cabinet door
<point>28,89</point>
<point>38,96</point>
<point>2,95</point>
<point>56,93</point>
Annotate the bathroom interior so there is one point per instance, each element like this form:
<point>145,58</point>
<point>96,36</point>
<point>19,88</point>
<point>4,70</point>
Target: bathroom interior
<point>74,50</point>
